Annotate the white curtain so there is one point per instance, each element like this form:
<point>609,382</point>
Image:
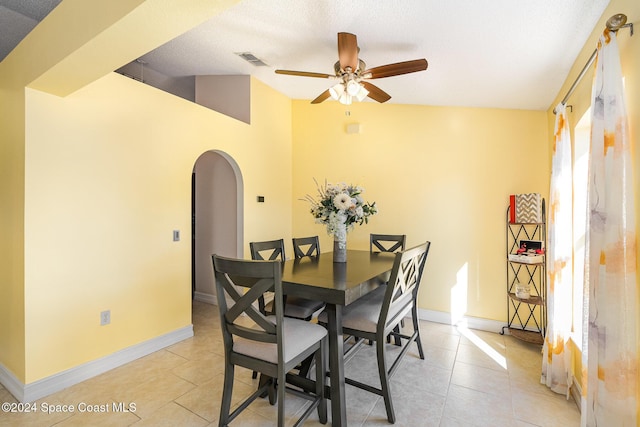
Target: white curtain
<point>610,349</point>
<point>556,358</point>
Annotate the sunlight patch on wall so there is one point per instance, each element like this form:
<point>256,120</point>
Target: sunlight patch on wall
<point>459,295</point>
<point>459,307</point>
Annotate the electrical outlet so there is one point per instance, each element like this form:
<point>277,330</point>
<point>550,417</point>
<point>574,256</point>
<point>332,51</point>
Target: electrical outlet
<point>105,317</point>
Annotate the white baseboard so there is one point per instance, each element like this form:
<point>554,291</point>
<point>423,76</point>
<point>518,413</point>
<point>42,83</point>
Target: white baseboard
<point>208,298</point>
<point>46,386</point>
<point>10,382</point>
<point>467,321</point>
<point>429,315</point>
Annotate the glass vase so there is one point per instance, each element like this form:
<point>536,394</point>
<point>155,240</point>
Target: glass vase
<point>340,239</point>
<point>339,250</point>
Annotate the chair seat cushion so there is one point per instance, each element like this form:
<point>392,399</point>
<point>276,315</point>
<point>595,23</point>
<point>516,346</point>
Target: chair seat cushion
<point>299,308</point>
<point>298,336</point>
<point>363,314</point>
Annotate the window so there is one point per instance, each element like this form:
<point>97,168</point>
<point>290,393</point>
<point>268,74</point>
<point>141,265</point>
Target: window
<point>582,134</point>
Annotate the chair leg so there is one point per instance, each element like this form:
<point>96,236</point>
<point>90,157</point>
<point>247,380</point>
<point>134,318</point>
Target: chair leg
<point>384,382</point>
<point>305,366</point>
<point>321,364</point>
<point>272,392</point>
<point>398,342</point>
<point>416,328</point>
<point>281,386</point>
<point>227,390</point>
<point>396,338</point>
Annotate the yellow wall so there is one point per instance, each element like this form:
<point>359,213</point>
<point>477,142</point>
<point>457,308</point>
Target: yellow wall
<point>12,227</point>
<point>108,179</point>
<point>581,98</point>
<point>436,173</point>
<point>86,204</point>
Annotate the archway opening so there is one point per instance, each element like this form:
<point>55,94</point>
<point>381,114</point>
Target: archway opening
<point>216,219</point>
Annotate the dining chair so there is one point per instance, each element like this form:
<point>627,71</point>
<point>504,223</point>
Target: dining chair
<point>377,314</point>
<point>303,247</point>
<point>270,344</point>
<point>306,246</point>
<point>268,250</point>
<point>296,307</point>
<point>387,242</point>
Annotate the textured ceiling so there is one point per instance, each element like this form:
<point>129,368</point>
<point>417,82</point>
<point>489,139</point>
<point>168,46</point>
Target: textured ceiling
<point>18,18</point>
<point>481,53</point>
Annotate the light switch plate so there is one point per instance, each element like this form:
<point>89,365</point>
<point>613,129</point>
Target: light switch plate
<point>105,317</point>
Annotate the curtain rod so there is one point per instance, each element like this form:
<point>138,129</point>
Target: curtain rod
<point>614,24</point>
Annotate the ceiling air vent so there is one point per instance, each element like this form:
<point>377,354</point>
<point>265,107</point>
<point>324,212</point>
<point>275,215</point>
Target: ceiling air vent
<point>252,59</point>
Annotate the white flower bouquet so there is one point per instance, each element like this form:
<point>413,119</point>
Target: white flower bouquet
<point>340,207</point>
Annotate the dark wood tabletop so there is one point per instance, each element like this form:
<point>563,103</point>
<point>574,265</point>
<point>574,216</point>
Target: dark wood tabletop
<point>338,283</point>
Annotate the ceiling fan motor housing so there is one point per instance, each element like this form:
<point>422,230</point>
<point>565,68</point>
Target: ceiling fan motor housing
<point>358,72</point>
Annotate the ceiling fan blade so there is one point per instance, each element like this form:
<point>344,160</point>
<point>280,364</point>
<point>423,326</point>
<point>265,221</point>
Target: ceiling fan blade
<point>348,51</point>
<point>375,92</point>
<point>305,74</point>
<point>396,69</point>
<point>323,96</point>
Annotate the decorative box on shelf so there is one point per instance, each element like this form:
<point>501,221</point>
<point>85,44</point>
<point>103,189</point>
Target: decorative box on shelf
<point>526,259</point>
<point>525,208</point>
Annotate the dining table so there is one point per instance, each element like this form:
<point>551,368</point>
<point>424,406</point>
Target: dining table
<point>338,284</point>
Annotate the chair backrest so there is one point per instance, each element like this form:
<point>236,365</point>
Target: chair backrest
<point>268,250</point>
<point>306,246</point>
<point>402,287</point>
<point>259,277</point>
<point>387,242</point>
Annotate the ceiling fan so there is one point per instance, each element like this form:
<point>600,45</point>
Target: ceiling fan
<point>352,74</point>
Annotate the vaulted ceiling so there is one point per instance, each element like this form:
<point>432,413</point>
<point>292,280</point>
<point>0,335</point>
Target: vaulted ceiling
<point>481,53</point>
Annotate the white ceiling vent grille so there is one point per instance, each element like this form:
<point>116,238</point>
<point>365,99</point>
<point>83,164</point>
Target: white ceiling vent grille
<point>252,59</point>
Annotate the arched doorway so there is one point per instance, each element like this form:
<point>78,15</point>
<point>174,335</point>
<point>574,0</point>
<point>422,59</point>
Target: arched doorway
<point>217,213</point>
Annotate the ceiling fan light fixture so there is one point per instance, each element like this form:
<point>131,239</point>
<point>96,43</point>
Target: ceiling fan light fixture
<point>362,94</point>
<point>353,87</point>
<point>336,91</point>
<point>345,99</point>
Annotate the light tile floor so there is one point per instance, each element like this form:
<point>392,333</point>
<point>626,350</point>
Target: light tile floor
<point>468,378</point>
